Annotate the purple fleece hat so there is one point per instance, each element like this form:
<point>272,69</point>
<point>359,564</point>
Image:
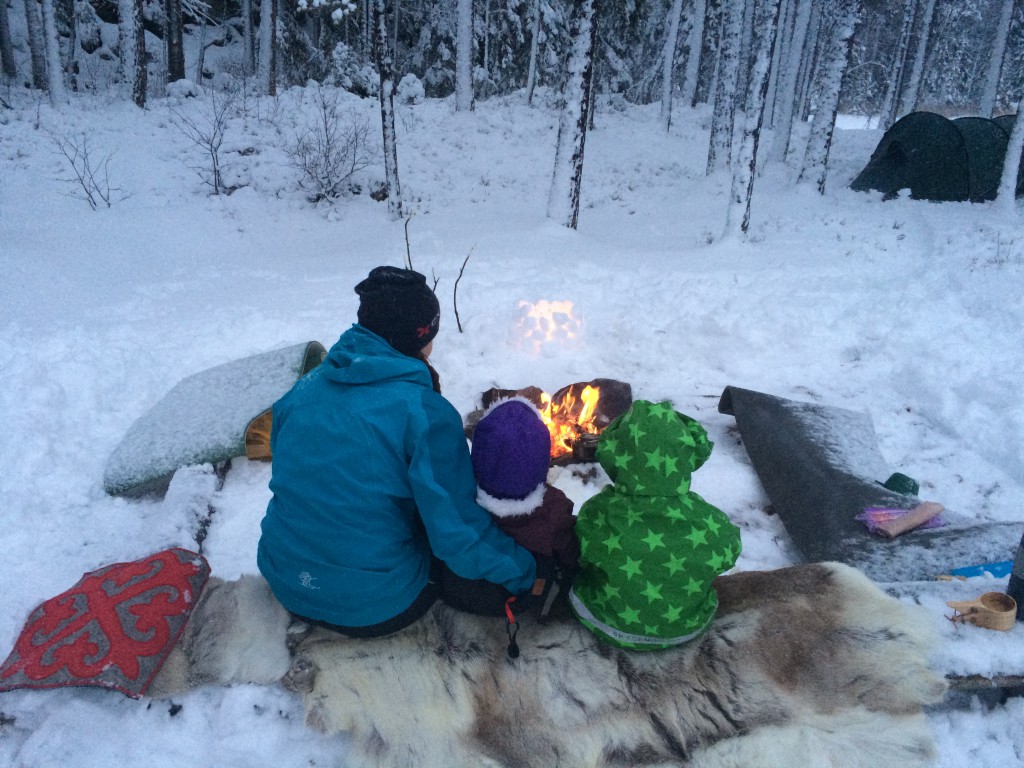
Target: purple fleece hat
<point>511,450</point>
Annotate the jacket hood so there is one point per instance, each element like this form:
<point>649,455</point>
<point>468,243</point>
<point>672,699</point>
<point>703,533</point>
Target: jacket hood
<point>652,450</point>
<point>362,357</point>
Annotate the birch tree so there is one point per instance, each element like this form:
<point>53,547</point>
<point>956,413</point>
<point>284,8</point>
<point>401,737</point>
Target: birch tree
<point>531,73</point>
<point>464,57</point>
<point>1006,197</point>
<point>564,196</point>
<point>834,60</point>
<point>384,63</point>
<point>724,114</point>
<point>266,68</point>
<point>788,82</point>
<point>36,43</point>
<point>132,44</point>
<point>912,92</point>
<point>668,65</point>
<point>695,45</point>
<point>8,66</point>
<point>766,15</point>
<point>995,60</point>
<point>54,64</point>
<point>899,62</point>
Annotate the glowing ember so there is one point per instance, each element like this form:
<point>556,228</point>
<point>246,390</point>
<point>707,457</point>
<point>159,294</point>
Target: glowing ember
<point>546,326</point>
<point>570,416</point>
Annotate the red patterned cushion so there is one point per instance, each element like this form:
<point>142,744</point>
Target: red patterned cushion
<point>113,629</point>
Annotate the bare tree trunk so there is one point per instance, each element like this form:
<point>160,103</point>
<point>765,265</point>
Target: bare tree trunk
<point>724,115</point>
<point>564,196</point>
<point>668,65</point>
<point>788,83</point>
<point>913,90</point>
<point>382,58</point>
<point>695,42</point>
<point>899,64</point>
<point>54,63</point>
<point>1006,198</point>
<point>808,61</point>
<point>745,170</point>
<point>248,39</point>
<point>266,74</point>
<point>464,58</point>
<point>783,39</point>
<point>132,44</point>
<point>531,75</point>
<point>8,66</point>
<point>995,61</point>
<point>174,40</point>
<point>36,43</point>
<point>835,59</point>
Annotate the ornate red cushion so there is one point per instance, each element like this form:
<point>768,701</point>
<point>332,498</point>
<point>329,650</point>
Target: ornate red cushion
<point>113,629</point>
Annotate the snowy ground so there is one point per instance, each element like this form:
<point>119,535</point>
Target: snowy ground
<point>907,310</point>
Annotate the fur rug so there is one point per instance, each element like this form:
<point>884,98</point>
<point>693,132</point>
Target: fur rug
<point>804,666</point>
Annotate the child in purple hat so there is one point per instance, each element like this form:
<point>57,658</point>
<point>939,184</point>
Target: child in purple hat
<point>511,454</point>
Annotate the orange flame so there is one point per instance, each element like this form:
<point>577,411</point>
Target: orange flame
<point>570,417</point>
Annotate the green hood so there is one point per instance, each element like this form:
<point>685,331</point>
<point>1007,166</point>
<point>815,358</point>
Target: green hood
<point>651,450</point>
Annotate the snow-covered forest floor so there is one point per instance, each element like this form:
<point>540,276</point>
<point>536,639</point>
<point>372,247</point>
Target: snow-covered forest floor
<point>907,310</point>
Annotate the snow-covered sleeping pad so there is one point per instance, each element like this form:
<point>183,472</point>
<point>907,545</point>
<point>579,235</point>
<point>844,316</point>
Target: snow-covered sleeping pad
<point>821,467</point>
<point>205,418</point>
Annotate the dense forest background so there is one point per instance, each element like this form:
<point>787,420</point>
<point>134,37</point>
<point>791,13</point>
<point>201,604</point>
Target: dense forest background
<point>950,56</point>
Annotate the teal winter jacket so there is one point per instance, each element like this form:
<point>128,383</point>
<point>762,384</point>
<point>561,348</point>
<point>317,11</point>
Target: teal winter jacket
<point>371,474</point>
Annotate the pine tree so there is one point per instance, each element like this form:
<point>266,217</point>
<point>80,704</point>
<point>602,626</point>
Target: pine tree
<point>132,45</point>
<point>385,66</point>
<point>566,180</point>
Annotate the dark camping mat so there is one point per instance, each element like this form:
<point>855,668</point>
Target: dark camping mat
<point>821,467</point>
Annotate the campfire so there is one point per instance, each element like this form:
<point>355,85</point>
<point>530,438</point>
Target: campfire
<point>575,415</point>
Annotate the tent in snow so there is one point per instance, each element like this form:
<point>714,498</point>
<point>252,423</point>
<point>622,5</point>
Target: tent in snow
<point>940,159</point>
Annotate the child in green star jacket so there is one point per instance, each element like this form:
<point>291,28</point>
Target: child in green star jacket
<point>650,546</point>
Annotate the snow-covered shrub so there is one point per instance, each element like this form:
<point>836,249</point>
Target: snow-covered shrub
<point>332,150</point>
<point>182,89</point>
<point>349,71</point>
<point>410,90</point>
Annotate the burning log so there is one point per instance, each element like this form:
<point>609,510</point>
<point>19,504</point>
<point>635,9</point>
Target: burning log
<point>575,415</point>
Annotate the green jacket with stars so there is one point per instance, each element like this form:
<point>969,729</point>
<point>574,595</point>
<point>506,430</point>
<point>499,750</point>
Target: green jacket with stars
<point>650,546</point>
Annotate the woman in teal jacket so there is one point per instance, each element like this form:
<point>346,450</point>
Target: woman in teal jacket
<point>372,481</point>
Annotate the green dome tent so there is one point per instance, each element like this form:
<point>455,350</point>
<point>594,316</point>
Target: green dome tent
<point>939,159</point>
